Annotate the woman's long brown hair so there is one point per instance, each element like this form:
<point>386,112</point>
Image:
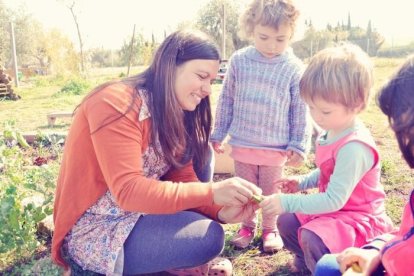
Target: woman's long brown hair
<point>179,132</point>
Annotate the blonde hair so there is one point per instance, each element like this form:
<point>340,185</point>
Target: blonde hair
<point>272,13</point>
<point>341,75</point>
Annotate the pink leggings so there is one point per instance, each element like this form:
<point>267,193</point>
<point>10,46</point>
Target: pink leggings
<point>263,177</point>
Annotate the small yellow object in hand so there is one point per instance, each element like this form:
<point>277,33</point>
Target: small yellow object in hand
<point>356,268</point>
<point>257,198</point>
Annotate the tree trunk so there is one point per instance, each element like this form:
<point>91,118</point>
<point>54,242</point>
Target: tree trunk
<point>72,11</point>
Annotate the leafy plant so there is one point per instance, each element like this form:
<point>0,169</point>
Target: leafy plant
<point>43,266</point>
<point>75,87</point>
<point>26,194</point>
<point>12,136</point>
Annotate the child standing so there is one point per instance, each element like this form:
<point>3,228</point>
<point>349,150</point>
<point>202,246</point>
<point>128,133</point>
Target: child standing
<point>260,108</point>
<point>388,251</point>
<point>349,208</point>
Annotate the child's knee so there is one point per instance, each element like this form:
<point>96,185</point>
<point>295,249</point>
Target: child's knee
<point>287,223</point>
<point>307,239</point>
<point>312,244</point>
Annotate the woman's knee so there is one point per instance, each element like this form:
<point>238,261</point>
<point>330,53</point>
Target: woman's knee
<point>214,238</point>
<point>184,239</point>
<point>202,233</point>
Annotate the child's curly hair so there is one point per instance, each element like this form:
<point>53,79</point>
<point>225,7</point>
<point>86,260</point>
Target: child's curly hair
<point>272,13</point>
<point>396,100</point>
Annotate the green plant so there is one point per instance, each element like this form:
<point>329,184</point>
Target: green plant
<point>43,266</point>
<point>12,136</point>
<point>43,81</point>
<point>75,87</point>
<point>26,195</point>
<point>387,168</point>
<point>394,204</point>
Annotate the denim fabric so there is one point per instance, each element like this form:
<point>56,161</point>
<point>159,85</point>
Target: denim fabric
<point>327,266</point>
<point>205,173</point>
<point>162,242</point>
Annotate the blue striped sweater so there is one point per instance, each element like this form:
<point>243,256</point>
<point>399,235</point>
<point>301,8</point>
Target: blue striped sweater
<point>259,105</point>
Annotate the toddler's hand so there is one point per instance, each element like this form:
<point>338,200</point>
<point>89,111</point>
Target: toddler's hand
<point>294,159</point>
<point>288,185</point>
<point>218,147</point>
<point>271,205</point>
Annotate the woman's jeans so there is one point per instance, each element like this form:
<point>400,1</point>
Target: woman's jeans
<point>162,242</point>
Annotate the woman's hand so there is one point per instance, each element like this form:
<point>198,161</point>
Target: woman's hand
<point>237,214</point>
<point>271,205</point>
<point>366,259</point>
<point>234,191</point>
<point>294,159</point>
<point>288,185</point>
<point>218,147</point>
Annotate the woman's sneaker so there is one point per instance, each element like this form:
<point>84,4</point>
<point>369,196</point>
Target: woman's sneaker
<point>242,238</point>
<point>217,266</point>
<point>272,242</point>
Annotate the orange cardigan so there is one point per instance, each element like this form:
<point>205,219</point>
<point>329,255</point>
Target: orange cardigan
<point>110,158</point>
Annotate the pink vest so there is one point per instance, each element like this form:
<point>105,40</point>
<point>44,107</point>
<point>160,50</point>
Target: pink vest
<point>363,215</point>
<point>397,253</point>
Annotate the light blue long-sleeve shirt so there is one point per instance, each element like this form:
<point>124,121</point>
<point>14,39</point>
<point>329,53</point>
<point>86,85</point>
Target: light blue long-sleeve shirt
<point>259,106</point>
<point>353,161</point>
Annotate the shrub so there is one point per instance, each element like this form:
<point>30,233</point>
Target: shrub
<point>26,194</point>
<point>75,87</point>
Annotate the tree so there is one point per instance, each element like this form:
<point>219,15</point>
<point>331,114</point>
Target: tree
<point>209,20</point>
<point>4,34</point>
<point>137,48</point>
<point>56,52</point>
<point>26,30</point>
<point>369,28</point>
<point>70,4</point>
<point>312,42</point>
<point>147,52</point>
<point>376,40</point>
<point>50,50</point>
<point>329,27</point>
<point>101,57</point>
<point>315,40</point>
<point>370,43</point>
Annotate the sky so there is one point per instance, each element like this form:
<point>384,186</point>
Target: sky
<point>107,23</point>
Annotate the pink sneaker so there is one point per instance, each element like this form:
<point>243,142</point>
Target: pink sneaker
<point>272,242</point>
<point>243,238</point>
<point>217,266</point>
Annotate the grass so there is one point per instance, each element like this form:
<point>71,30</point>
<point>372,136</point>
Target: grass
<point>39,96</point>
